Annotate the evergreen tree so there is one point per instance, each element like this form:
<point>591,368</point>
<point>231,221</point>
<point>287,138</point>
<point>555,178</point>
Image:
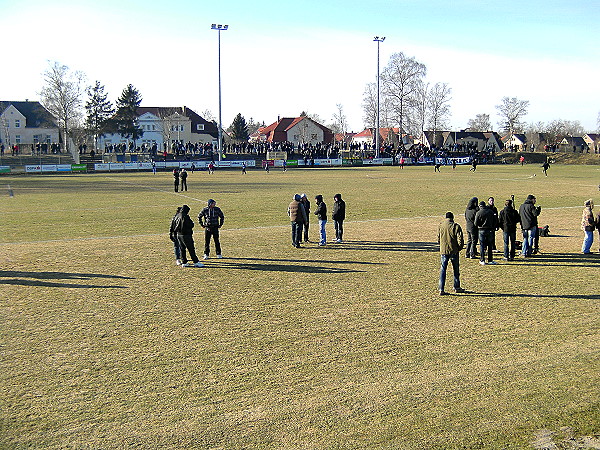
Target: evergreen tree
<point>126,117</point>
<point>239,128</point>
<point>99,111</point>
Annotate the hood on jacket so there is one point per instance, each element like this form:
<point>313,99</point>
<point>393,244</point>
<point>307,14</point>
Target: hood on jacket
<point>185,209</point>
<point>530,198</point>
<point>337,197</point>
<point>473,203</point>
<point>319,198</point>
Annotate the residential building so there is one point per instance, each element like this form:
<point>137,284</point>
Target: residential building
<point>593,142</point>
<point>296,130</point>
<point>478,141</point>
<point>26,123</point>
<point>573,144</point>
<point>162,125</point>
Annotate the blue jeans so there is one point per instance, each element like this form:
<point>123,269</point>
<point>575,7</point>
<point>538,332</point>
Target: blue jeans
<point>296,234</point>
<point>486,242</point>
<point>509,244</point>
<point>176,249</point>
<point>528,241</point>
<point>453,258</point>
<point>323,240</point>
<point>587,242</point>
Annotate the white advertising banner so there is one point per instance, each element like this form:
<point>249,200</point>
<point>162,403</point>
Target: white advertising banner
<point>131,166</point>
<point>116,166</point>
<point>102,167</point>
<point>145,165</point>
<point>33,169</point>
<point>49,168</point>
<point>63,167</point>
<point>328,162</point>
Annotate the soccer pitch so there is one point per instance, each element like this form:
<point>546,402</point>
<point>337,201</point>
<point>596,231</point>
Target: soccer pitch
<point>106,343</point>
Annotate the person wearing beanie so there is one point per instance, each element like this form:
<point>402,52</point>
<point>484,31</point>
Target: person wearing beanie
<point>183,227</point>
<point>338,215</point>
<point>451,240</point>
<point>508,220</point>
<point>298,219</point>
<point>588,225</point>
<point>211,218</point>
<point>529,224</point>
<point>321,213</point>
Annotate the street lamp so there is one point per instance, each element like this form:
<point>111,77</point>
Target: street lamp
<point>378,40</point>
<point>220,28</point>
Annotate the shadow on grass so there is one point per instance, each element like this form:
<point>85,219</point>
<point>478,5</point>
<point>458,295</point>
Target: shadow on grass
<point>297,267</point>
<point>388,246</point>
<point>559,259</point>
<point>513,295</point>
<point>318,261</point>
<point>41,279</point>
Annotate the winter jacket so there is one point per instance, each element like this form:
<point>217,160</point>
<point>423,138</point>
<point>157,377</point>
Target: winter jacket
<point>508,219</point>
<point>183,224</point>
<point>470,212</point>
<point>485,219</point>
<point>450,237</point>
<point>296,211</point>
<point>321,211</point>
<point>339,209</point>
<point>211,217</point>
<point>529,214</point>
<point>587,221</point>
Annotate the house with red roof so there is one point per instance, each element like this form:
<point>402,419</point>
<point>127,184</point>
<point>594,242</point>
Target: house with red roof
<point>297,130</point>
<point>387,136</point>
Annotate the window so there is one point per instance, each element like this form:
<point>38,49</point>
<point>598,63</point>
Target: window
<point>17,123</point>
<point>18,138</point>
<point>48,139</point>
<point>153,127</point>
<point>200,127</point>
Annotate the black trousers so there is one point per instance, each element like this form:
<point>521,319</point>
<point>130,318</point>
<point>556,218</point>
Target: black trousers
<point>214,233</point>
<point>186,242</point>
<point>339,229</point>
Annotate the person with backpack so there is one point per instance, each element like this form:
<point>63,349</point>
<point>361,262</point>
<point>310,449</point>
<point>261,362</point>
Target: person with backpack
<point>508,220</point>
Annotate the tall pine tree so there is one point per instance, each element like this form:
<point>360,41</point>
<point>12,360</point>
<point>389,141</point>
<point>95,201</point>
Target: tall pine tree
<point>99,111</point>
<point>126,117</point>
<point>239,128</point>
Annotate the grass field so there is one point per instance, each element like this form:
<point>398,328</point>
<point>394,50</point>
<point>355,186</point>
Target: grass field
<point>106,343</point>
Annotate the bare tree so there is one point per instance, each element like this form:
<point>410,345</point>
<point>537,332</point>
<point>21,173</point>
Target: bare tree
<point>369,106</point>
<point>438,106</point>
<point>401,80</point>
<point>420,109</point>
<point>340,123</point>
<point>598,122</point>
<point>208,115</point>
<point>62,96</point>
<point>511,111</point>
<point>481,122</point>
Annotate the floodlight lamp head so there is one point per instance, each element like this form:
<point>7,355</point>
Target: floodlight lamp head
<point>214,26</point>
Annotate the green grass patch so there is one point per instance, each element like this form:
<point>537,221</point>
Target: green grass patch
<point>106,343</point>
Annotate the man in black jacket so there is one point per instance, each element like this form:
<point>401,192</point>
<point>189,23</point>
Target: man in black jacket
<point>486,221</point>
<point>338,215</point>
<point>183,227</point>
<point>472,232</point>
<point>529,223</point>
<point>211,218</point>
<point>509,218</point>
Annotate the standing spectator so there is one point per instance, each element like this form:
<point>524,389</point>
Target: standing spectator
<point>211,218</point>
<point>173,237</point>
<point>306,204</point>
<point>321,213</point>
<point>176,179</point>
<point>297,216</point>
<point>183,226</point>
<point>338,215</point>
<point>495,210</point>
<point>453,164</point>
<point>267,166</point>
<point>588,225</point>
<point>451,240</point>
<point>598,226</point>
<point>529,223</point>
<point>472,232</point>
<point>244,167</point>
<point>508,220</point>
<point>284,165</point>
<point>486,222</point>
<point>183,175</point>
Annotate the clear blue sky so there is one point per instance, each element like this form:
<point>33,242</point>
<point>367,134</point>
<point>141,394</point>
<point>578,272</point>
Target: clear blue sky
<point>280,58</point>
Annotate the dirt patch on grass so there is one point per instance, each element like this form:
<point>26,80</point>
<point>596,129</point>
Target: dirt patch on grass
<point>565,438</point>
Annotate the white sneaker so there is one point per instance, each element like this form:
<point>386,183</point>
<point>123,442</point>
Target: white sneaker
<point>220,256</point>
<point>339,241</point>
<point>178,262</point>
<point>482,263</point>
<point>492,262</point>
<point>198,264</point>
<point>188,264</point>
<point>205,257</point>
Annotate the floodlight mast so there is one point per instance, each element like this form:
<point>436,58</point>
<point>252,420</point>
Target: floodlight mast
<point>220,28</point>
<point>379,40</point>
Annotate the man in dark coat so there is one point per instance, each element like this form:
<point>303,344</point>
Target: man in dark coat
<point>472,232</point>
<point>338,215</point>
<point>183,227</point>
<point>486,222</point>
<point>211,218</point>
<point>529,223</point>
<point>508,220</point>
<point>297,216</point>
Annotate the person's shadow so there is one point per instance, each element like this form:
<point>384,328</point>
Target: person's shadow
<point>56,279</point>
